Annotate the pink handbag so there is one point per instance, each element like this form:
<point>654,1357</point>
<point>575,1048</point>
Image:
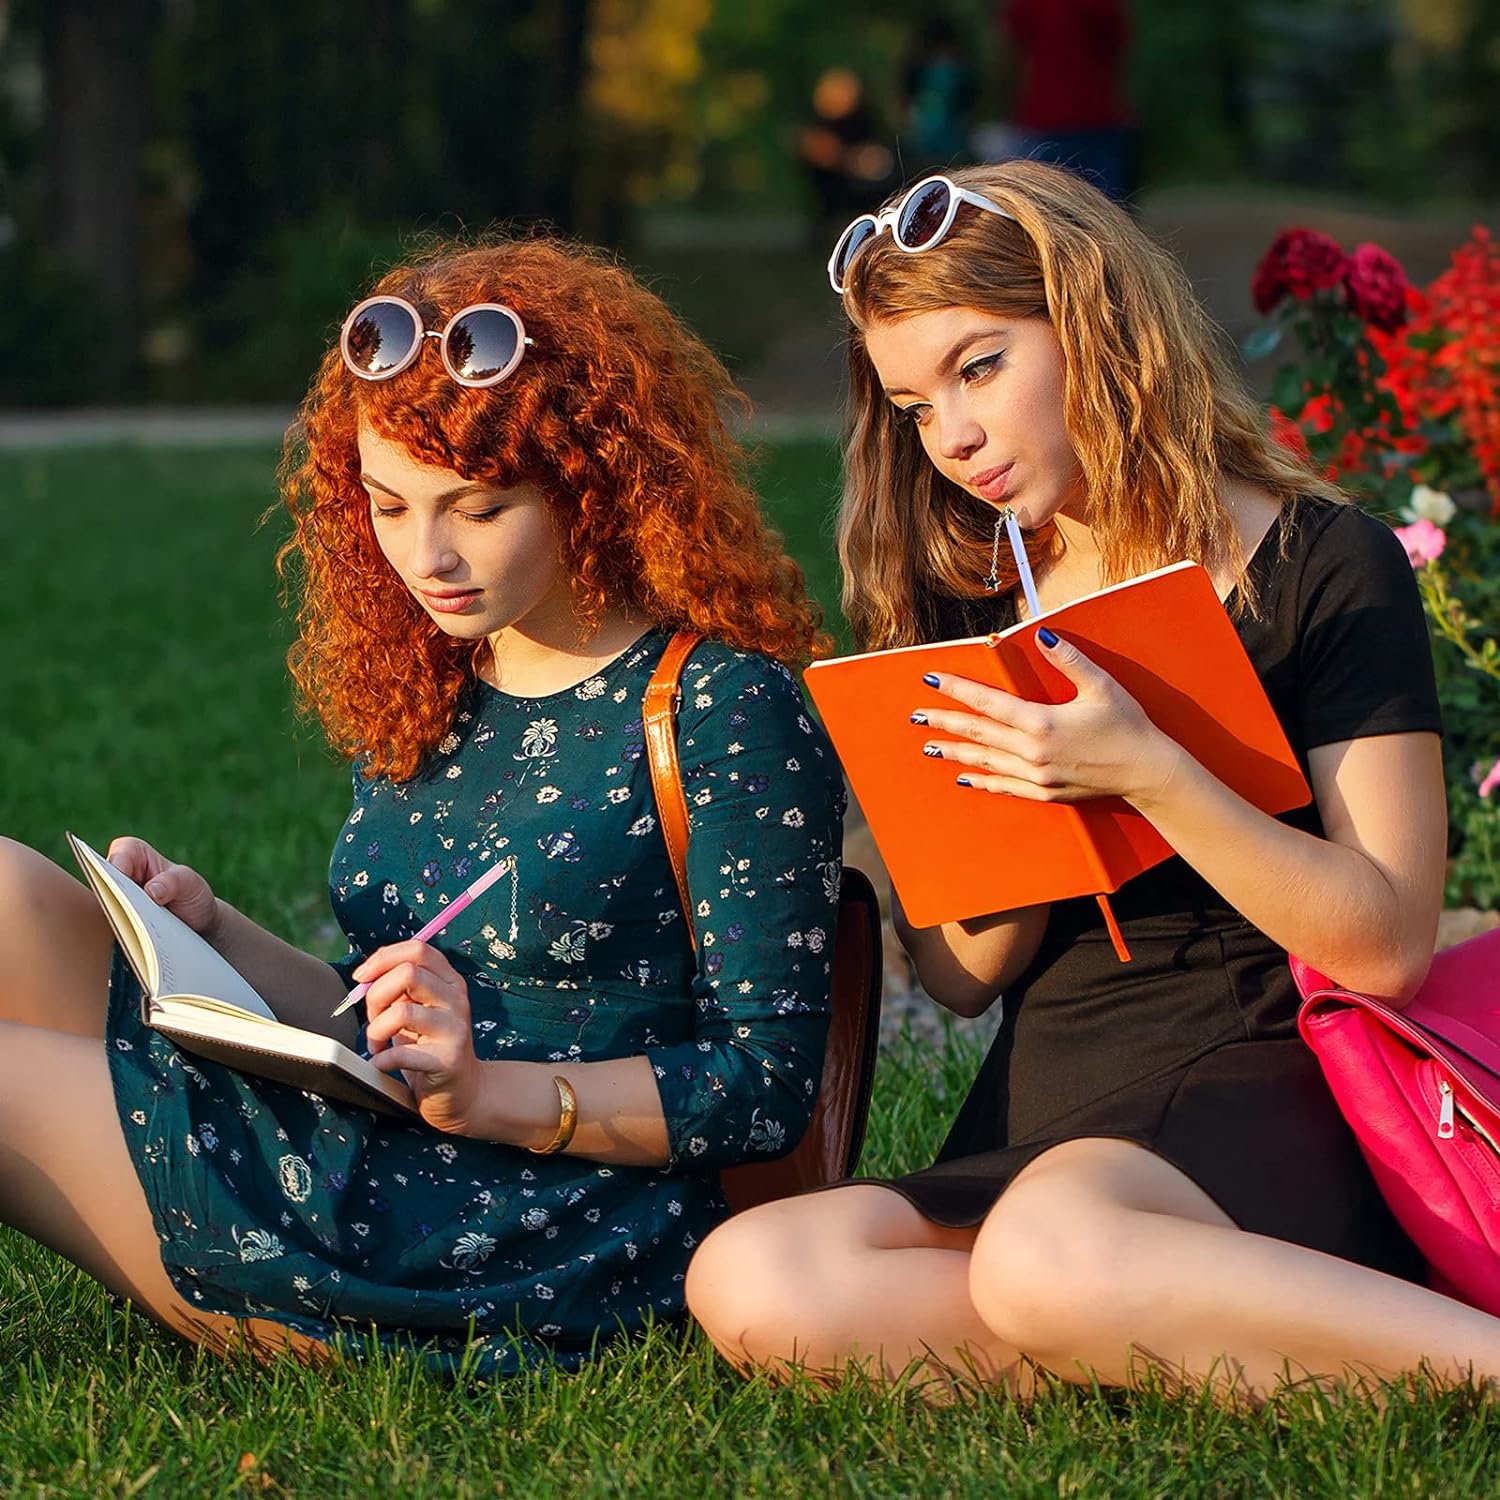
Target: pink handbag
<point>1420,1087</point>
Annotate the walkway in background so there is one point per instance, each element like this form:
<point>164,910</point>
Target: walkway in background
<point>216,426</point>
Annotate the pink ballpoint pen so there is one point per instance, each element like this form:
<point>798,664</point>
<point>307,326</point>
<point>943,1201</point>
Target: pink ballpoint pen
<point>440,921</point>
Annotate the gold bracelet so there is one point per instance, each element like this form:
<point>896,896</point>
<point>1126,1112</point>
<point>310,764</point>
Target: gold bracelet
<point>567,1121</point>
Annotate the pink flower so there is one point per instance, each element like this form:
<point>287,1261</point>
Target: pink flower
<point>1423,542</point>
<point>1299,263</point>
<point>1491,779</point>
<point>1376,287</point>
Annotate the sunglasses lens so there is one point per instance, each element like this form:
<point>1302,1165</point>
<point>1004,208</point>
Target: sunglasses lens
<point>922,215</point>
<point>855,238</point>
<point>380,338</point>
<point>483,345</point>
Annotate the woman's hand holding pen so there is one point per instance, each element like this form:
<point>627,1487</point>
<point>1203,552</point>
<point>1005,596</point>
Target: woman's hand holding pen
<point>419,1025</point>
<point>1100,744</point>
<point>183,891</point>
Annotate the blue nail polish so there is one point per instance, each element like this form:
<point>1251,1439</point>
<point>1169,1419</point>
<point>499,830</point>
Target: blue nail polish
<point>930,678</point>
<point>1046,637</point>
<point>964,781</point>
<point>932,752</point>
<point>919,717</point>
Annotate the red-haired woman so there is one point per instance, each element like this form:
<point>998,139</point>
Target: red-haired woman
<point>510,483</point>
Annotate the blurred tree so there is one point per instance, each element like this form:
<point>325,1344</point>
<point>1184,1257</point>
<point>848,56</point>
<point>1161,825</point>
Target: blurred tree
<point>499,84</point>
<point>181,168</point>
<point>645,59</point>
<point>1479,87</point>
<point>95,57</point>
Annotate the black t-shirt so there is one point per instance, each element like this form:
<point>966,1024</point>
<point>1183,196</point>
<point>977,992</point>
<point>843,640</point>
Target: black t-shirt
<point>1339,637</point>
<point>1339,640</point>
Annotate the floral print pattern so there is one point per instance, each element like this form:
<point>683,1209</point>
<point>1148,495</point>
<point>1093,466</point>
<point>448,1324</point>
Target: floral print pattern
<point>272,1202</point>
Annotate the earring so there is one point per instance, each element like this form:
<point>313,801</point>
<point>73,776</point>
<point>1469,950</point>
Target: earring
<point>992,581</point>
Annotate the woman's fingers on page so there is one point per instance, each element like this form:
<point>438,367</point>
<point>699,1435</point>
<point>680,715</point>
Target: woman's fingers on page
<point>949,731</point>
<point>134,857</point>
<point>1006,784</point>
<point>179,888</point>
<point>989,701</point>
<point>186,894</point>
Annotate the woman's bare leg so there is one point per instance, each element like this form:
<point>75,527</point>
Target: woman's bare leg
<point>54,946</point>
<point>851,1276</point>
<point>67,1180</point>
<point>1103,1257</point>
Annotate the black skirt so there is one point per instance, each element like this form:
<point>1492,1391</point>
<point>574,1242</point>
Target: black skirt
<point>1190,1050</point>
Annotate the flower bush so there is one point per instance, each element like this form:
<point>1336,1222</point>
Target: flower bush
<point>1394,392</point>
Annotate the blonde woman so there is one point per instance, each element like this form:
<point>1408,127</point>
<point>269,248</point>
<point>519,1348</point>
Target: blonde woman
<point>1148,1171</point>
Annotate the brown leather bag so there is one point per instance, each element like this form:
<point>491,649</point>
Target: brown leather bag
<point>830,1148</point>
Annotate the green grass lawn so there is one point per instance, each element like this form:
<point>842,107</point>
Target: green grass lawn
<point>141,688</point>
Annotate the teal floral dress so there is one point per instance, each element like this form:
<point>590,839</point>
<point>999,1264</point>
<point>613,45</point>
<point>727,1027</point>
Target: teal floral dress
<point>273,1203</point>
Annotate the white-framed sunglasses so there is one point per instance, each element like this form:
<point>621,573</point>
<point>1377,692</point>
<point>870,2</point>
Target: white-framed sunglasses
<point>480,344</point>
<point>919,220</point>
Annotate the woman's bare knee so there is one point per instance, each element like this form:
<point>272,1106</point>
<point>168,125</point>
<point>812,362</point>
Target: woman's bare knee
<point>777,1281</point>
<point>743,1286</point>
<point>1055,1269</point>
<point>1045,1272</point>
<point>54,946</point>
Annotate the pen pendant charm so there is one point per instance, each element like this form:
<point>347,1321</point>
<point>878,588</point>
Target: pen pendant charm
<point>515,924</point>
<point>992,579</point>
<point>506,948</point>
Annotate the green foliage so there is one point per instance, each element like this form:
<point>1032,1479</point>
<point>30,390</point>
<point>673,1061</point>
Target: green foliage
<point>49,346</point>
<point>799,483</point>
<point>1475,876</point>
<point>278,314</point>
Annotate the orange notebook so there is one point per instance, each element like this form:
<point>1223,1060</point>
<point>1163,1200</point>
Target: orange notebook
<point>955,852</point>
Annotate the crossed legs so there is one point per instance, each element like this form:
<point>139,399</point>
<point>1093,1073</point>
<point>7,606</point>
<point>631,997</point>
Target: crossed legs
<point>1100,1261</point>
<point>66,1178</point>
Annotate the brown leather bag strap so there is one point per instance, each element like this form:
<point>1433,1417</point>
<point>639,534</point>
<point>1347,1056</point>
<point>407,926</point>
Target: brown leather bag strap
<point>659,716</point>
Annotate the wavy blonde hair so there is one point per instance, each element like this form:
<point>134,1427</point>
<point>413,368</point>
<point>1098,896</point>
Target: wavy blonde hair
<point>1155,410</point>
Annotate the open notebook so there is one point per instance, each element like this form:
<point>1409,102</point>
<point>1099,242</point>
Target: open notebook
<point>193,995</point>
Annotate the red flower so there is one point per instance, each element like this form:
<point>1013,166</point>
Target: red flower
<point>1376,286</point>
<point>1286,432</point>
<point>1299,263</point>
<point>1317,413</point>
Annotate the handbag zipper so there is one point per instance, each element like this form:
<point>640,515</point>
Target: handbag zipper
<point>1449,1111</point>
<point>1478,1129</point>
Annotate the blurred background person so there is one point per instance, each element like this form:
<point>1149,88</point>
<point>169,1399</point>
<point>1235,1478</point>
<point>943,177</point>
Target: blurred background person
<point>938,91</point>
<point>1071,110</point>
<point>846,164</point>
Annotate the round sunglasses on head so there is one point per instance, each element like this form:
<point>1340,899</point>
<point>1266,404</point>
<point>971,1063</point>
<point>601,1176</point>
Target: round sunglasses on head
<point>480,345</point>
<point>920,219</point>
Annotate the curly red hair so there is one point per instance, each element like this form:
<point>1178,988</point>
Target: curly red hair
<point>614,415</point>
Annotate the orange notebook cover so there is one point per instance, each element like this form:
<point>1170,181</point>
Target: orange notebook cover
<point>955,852</point>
